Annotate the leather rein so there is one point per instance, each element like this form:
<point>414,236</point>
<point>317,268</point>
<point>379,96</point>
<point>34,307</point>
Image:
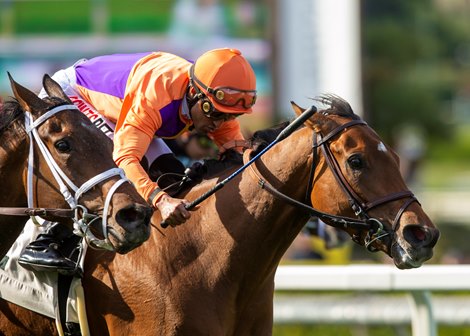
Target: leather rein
<point>364,222</point>
<point>78,213</point>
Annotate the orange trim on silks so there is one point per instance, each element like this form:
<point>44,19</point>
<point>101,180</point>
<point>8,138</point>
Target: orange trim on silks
<point>242,144</point>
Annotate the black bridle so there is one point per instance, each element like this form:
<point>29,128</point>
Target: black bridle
<point>364,222</point>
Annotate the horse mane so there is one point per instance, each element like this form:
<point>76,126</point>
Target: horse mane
<point>262,138</point>
<point>231,158</point>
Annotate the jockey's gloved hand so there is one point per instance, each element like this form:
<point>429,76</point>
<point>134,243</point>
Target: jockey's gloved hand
<point>196,172</point>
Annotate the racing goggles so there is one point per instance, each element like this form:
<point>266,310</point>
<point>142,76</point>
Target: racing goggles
<point>227,96</point>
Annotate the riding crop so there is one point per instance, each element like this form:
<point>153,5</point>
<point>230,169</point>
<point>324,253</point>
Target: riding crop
<point>284,134</point>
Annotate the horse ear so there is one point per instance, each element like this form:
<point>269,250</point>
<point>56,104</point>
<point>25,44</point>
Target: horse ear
<point>27,99</point>
<point>298,111</point>
<point>53,89</point>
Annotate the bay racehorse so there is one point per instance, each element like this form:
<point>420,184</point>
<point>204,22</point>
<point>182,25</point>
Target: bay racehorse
<point>52,156</point>
<point>214,275</point>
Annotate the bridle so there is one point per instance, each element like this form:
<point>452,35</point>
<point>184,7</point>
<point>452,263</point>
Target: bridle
<point>373,226</point>
<point>78,213</point>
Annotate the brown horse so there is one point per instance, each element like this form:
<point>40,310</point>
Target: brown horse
<point>69,150</point>
<point>214,275</point>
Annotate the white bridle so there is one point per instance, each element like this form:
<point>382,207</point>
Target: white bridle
<point>81,227</point>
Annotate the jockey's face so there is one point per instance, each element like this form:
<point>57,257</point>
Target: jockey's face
<point>205,123</point>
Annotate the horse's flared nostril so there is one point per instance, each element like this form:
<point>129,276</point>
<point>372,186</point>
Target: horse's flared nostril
<point>434,235</point>
<point>133,216</point>
<point>419,236</point>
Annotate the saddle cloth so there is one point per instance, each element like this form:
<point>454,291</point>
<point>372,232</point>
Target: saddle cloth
<point>34,291</point>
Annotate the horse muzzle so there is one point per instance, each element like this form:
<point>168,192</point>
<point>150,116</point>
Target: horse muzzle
<point>130,227</point>
<point>414,247</point>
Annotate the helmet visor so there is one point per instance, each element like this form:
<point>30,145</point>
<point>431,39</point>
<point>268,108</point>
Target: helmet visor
<point>227,96</point>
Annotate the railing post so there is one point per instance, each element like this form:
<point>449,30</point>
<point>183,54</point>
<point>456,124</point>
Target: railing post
<point>422,317</point>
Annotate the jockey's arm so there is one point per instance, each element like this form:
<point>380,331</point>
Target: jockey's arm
<point>130,145</point>
<point>131,142</point>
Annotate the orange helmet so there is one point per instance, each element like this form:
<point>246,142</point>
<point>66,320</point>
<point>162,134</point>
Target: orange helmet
<point>225,80</point>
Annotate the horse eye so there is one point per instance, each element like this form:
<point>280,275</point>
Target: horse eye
<point>63,146</point>
<point>356,162</point>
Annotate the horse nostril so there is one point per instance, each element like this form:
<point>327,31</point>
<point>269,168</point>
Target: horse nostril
<point>421,236</point>
<point>136,214</point>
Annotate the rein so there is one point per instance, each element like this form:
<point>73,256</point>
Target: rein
<point>41,212</point>
<point>337,221</point>
<point>78,213</point>
<point>375,228</point>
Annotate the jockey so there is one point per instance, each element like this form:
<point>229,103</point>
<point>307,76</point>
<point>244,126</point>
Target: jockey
<point>141,99</point>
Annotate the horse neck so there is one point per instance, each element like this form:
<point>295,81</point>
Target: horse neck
<point>14,147</point>
<point>286,167</point>
<point>13,155</point>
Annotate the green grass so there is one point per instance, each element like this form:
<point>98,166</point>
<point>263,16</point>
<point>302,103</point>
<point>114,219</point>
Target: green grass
<point>124,16</point>
<point>75,16</point>
<point>141,16</point>
<point>445,175</point>
<point>39,17</point>
<point>447,163</point>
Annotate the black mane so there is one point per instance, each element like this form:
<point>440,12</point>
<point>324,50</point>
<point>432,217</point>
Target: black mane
<point>232,158</point>
<point>262,138</point>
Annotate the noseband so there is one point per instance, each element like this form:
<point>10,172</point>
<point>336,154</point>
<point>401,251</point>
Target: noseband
<point>81,217</point>
<point>373,226</point>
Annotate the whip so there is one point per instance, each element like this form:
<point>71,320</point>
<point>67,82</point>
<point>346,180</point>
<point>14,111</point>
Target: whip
<point>284,134</point>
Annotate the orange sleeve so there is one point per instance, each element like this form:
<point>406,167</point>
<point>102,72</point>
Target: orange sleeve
<point>132,140</point>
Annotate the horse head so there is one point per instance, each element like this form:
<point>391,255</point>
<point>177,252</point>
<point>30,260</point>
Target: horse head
<point>73,168</point>
<point>361,174</point>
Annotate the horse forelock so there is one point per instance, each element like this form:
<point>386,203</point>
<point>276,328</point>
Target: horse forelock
<point>335,110</point>
<point>10,111</point>
<point>336,106</point>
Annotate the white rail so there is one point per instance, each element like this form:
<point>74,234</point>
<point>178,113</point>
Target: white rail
<point>418,283</point>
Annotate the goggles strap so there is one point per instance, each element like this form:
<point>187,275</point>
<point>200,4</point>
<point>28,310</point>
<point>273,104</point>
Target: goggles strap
<point>191,100</point>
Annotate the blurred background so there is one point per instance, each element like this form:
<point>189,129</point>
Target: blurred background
<point>403,65</point>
